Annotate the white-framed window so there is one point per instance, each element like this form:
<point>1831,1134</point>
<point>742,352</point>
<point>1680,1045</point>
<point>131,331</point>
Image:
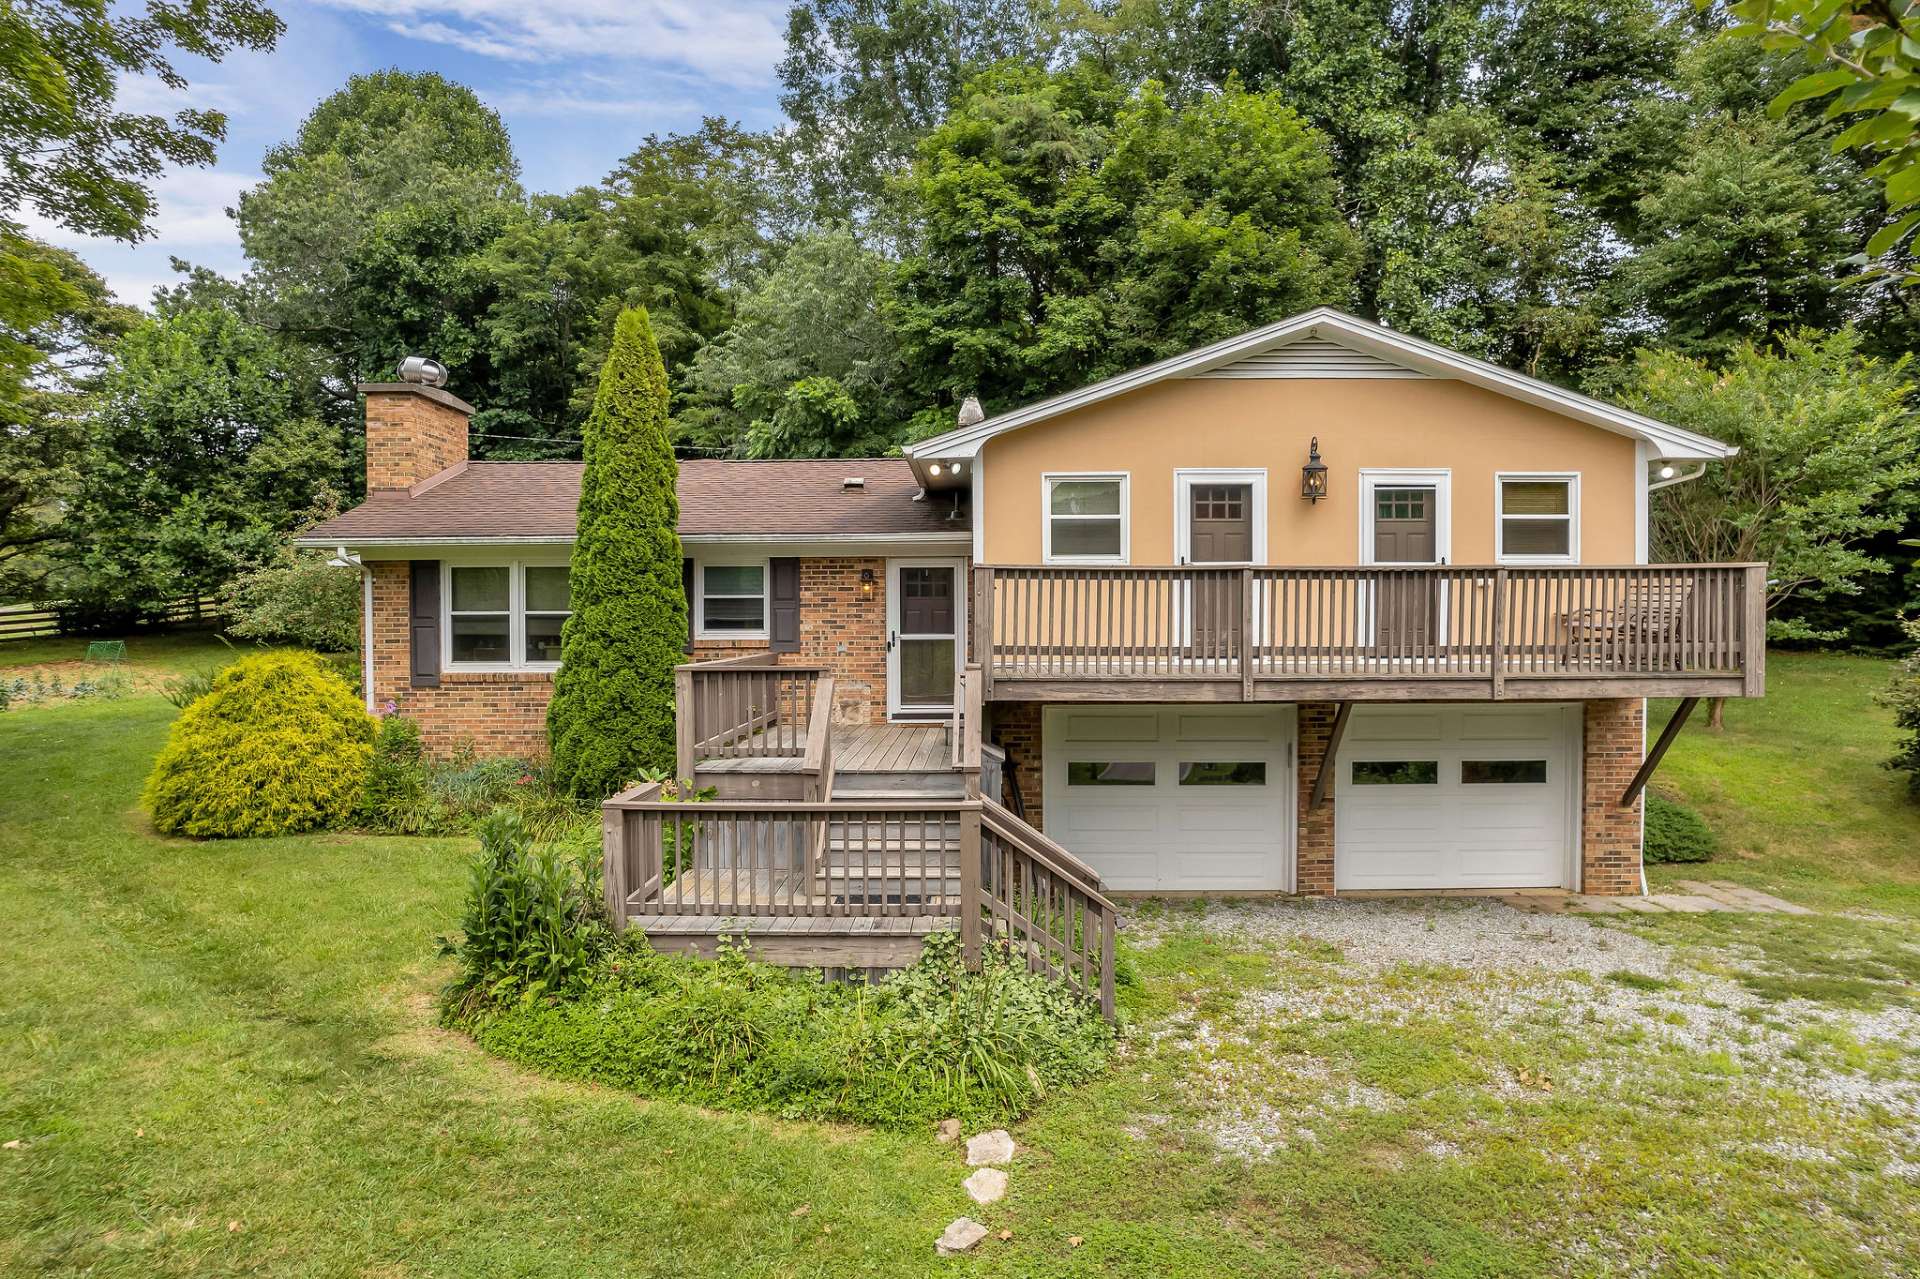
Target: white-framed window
<point>730,600</point>
<point>1537,518</point>
<point>504,616</point>
<point>1084,518</point>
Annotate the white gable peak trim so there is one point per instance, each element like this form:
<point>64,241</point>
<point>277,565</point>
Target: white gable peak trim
<point>1349,332</point>
<point>1311,357</point>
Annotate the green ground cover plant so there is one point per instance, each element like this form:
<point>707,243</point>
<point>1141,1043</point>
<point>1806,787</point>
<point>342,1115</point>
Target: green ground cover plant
<point>1675,833</point>
<point>930,1042</point>
<point>544,982</point>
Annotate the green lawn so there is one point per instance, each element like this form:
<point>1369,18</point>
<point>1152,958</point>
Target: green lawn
<point>220,1059</point>
<point>1795,788</point>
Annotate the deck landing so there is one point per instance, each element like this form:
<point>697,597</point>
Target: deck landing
<point>861,748</point>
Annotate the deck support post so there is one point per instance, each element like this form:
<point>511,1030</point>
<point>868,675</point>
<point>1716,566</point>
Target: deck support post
<point>613,842</point>
<point>1496,641</point>
<point>970,855</point>
<point>1753,658</point>
<point>1246,634</point>
<point>683,724</point>
<point>1324,778</point>
<point>1659,751</point>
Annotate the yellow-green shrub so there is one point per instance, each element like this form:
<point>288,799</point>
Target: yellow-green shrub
<point>279,744</point>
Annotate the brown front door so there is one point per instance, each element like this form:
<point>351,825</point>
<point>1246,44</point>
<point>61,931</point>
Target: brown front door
<point>1220,528</point>
<point>1405,521</point>
<point>921,648</point>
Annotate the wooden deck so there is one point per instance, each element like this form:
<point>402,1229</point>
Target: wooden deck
<point>864,748</point>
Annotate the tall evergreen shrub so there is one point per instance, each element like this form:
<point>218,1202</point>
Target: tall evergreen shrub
<point>612,711</point>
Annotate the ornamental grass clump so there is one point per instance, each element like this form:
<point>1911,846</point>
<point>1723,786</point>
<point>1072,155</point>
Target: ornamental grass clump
<point>279,744</point>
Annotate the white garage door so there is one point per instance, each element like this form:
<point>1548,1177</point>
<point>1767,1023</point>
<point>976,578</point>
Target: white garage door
<point>1191,799</point>
<point>1455,797</point>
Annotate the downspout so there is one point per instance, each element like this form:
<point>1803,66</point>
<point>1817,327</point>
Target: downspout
<point>343,558</point>
<point>367,636</point>
<point>1666,481</point>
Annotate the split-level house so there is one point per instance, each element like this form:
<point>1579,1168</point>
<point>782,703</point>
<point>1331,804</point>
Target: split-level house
<point>1318,609</point>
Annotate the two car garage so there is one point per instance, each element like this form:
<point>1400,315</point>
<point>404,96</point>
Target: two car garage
<point>1205,798</point>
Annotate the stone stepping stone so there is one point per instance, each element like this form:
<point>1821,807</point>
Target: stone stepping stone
<point>1688,903</point>
<point>995,1147</point>
<point>964,1235</point>
<point>986,1185</point>
<point>1740,897</point>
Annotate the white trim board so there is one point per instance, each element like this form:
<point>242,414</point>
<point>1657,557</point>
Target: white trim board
<point>1327,324</point>
<point>1572,481</point>
<point>1183,481</point>
<point>1049,479</point>
<point>1440,479</point>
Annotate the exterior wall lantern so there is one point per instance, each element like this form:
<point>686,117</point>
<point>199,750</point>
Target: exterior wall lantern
<point>866,583</point>
<point>1313,476</point>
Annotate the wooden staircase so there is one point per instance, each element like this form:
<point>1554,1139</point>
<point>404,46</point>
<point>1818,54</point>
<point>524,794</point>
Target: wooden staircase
<point>842,848</point>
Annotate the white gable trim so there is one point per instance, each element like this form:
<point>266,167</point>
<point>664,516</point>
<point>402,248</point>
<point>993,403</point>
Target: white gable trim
<point>1338,328</point>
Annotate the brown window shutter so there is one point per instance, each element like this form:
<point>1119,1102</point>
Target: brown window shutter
<point>686,587</point>
<point>783,604</point>
<point>423,622</point>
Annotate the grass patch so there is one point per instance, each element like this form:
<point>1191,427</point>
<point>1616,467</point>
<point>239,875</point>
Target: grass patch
<point>1795,792</point>
<point>1638,981</point>
<point>199,1034</point>
<point>1829,959</point>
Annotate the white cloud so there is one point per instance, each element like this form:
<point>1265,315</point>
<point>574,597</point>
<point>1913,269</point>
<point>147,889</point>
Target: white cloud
<point>190,221</point>
<point>732,41</point>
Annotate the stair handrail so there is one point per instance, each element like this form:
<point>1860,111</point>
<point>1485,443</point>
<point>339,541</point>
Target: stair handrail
<point>817,765</point>
<point>1045,851</point>
<point>964,732</point>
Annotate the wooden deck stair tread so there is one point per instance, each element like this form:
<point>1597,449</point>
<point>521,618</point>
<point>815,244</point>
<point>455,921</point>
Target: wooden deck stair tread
<point>860,748</point>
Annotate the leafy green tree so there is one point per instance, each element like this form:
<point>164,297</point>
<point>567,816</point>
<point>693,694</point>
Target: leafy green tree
<point>681,222</point>
<point>65,148</point>
<point>1829,457</point>
<point>612,712</point>
<point>202,454</point>
<point>1868,57</point>
<point>810,366</point>
<point>1067,230</point>
<point>362,235</point>
<point>1745,237</point>
<point>864,80</point>
<point>58,322</point>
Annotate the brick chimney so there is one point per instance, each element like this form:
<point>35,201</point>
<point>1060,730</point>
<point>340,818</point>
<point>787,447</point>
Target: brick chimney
<point>414,432</point>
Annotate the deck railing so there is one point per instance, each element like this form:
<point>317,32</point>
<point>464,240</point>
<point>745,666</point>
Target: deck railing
<point>1046,903</point>
<point>1256,625</point>
<point>853,865</point>
<point>742,706</point>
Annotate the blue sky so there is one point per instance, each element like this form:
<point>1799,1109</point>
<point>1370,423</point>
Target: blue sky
<point>578,84</point>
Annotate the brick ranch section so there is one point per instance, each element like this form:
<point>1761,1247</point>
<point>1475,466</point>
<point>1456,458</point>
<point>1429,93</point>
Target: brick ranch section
<point>1613,738</point>
<point>505,713</point>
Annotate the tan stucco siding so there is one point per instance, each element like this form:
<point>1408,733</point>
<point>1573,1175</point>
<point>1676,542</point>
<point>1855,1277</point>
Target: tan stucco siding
<point>1362,424</point>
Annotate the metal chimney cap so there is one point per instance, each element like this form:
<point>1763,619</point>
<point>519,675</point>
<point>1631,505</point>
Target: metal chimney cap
<point>971,414</point>
<point>421,371</point>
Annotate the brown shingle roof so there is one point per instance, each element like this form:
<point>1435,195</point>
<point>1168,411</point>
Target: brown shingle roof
<point>537,500</point>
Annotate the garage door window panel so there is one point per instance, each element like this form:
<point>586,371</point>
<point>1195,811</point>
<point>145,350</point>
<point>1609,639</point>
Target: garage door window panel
<point>1244,773</point>
<point>1396,772</point>
<point>1503,772</point>
<point>1131,772</point>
